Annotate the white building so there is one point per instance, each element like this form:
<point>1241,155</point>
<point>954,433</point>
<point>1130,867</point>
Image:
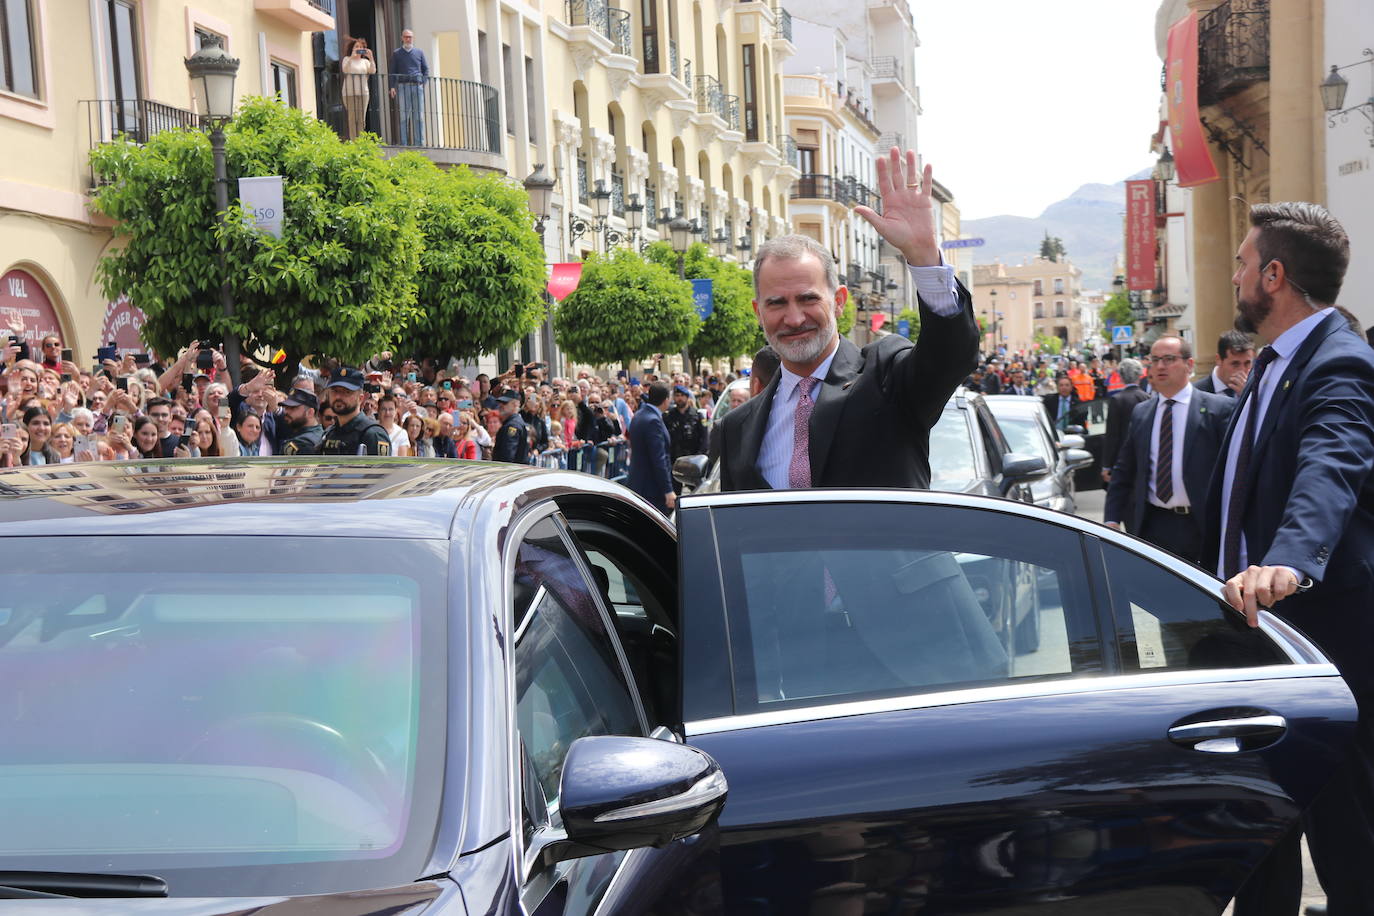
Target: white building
<point>1350,147</point>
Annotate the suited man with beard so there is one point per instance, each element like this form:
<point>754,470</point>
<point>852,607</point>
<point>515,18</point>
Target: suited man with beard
<point>835,415</point>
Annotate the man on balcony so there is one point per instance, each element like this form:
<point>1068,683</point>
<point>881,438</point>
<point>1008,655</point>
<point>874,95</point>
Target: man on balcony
<point>409,76</point>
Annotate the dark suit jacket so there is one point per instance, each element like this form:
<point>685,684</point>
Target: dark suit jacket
<point>1119,408</point>
<point>1076,409</point>
<point>1207,384</point>
<point>1310,502</point>
<point>650,473</point>
<point>1129,491</point>
<point>871,423</point>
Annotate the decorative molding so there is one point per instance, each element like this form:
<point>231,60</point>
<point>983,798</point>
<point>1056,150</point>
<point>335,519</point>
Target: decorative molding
<point>567,129</point>
<point>681,111</point>
<point>695,196</point>
<point>602,153</point>
<point>729,141</point>
<point>620,72</point>
<point>636,168</point>
<point>709,126</point>
<point>720,201</point>
<point>585,44</point>
<point>658,89</point>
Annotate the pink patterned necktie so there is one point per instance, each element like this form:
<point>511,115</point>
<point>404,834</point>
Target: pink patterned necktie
<point>799,468</point>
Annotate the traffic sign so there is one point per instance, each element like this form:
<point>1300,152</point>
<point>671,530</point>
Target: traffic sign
<point>963,243</point>
<point>1123,334</point>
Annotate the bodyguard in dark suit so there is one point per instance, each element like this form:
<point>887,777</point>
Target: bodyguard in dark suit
<point>1119,408</point>
<point>1235,356</point>
<point>834,415</point>
<point>650,473</point>
<point>1063,407</point>
<point>1290,516</point>
<point>1166,459</point>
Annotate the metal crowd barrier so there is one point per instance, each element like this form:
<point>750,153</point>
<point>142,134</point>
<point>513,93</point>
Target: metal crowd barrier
<point>583,459</point>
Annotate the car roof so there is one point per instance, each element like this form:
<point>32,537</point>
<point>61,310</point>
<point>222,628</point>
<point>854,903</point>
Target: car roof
<point>1026,402</point>
<point>330,497</point>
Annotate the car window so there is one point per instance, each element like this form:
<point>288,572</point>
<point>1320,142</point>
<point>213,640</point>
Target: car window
<point>830,602</point>
<point>1164,621</point>
<point>952,464</point>
<point>994,443</point>
<point>1024,435</point>
<point>569,680</point>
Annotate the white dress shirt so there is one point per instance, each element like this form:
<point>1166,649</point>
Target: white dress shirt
<point>937,289</point>
<point>1287,344</point>
<point>1218,386</point>
<point>1180,424</point>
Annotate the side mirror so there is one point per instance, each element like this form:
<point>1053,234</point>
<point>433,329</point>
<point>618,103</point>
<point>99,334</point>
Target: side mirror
<point>1018,469</point>
<point>1078,458</point>
<point>1068,441</point>
<point>621,793</point>
<point>690,470</point>
<point>1076,430</point>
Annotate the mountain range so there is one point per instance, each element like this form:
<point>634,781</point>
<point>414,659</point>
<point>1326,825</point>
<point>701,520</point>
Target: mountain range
<point>1090,222</point>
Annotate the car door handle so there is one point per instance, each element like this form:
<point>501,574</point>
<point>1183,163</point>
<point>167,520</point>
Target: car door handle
<point>1197,733</point>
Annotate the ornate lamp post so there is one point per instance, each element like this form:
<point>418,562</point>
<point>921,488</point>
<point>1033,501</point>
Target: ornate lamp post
<point>539,187</point>
<point>601,208</point>
<point>212,73</point>
<point>681,232</point>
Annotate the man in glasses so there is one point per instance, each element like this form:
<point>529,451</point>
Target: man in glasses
<point>1165,463</point>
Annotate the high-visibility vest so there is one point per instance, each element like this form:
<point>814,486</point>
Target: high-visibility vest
<point>1114,382</point>
<point>1084,383</point>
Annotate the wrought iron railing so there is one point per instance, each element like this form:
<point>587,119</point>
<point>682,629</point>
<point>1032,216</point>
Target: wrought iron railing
<point>815,187</point>
<point>589,13</point>
<point>619,32</point>
<point>650,202</point>
<point>672,58</point>
<point>137,119</point>
<point>710,97</point>
<point>582,179</point>
<point>788,147</point>
<point>434,113</point>
<point>687,71</point>
<point>730,111</point>
<point>782,27</point>
<point>1233,48</point>
<point>888,68</point>
<point>324,6</point>
<point>617,194</point>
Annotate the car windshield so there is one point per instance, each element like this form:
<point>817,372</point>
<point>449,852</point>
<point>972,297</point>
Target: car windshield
<point>952,465</point>
<point>1023,433</point>
<point>240,716</point>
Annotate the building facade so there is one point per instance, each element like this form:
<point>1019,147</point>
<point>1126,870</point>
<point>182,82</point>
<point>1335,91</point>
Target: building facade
<point>1349,160</point>
<point>76,74</point>
<point>1002,303</point>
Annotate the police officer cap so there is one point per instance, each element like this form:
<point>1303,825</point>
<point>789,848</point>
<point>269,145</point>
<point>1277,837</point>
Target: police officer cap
<point>507,398</point>
<point>299,398</point>
<point>352,379</point>
<point>683,389</point>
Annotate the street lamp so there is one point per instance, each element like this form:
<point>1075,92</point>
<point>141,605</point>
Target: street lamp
<point>1167,169</point>
<point>680,231</point>
<point>212,73</point>
<point>601,208</point>
<point>539,187</point>
<point>1333,90</point>
<point>720,242</point>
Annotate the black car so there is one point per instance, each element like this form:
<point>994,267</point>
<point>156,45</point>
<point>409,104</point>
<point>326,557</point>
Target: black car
<point>383,686</point>
<point>1024,422</point>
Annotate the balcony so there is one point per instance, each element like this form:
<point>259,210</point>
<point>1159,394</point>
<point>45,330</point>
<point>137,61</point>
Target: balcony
<point>611,23</point>
<point>820,187</point>
<point>730,111</point>
<point>889,140</point>
<point>782,23</point>
<point>618,31</point>
<point>302,15</point>
<point>711,99</point>
<point>136,119</point>
<point>452,121</point>
<point>1233,49</point>
<point>788,147</point>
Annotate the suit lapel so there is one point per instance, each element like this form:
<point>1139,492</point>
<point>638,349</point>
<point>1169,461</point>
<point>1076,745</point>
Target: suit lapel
<point>825,416</point>
<point>752,434</point>
<point>1296,365</point>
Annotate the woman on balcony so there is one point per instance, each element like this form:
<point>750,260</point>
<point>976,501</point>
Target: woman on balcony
<point>358,68</point>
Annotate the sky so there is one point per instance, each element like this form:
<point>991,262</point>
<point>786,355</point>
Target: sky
<point>1025,102</point>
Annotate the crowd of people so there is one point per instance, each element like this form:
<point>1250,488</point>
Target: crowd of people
<point>55,412</point>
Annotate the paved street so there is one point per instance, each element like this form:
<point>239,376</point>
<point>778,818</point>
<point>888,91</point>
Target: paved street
<point>1090,505</point>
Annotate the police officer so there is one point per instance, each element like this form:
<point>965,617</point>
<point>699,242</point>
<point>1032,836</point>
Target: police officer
<point>353,432</point>
<point>512,439</point>
<point>685,429</point>
<point>303,430</point>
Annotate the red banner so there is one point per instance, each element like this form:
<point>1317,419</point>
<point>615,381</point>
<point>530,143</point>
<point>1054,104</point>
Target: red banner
<point>122,327</point>
<point>877,321</point>
<point>1192,158</point>
<point>564,279</point>
<point>26,312</point>
<point>1140,234</point>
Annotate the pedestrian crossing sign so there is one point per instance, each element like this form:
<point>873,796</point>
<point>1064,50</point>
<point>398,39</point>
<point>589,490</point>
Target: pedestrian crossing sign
<point>1123,334</point>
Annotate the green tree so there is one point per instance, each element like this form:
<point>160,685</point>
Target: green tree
<point>913,317</point>
<point>341,279</point>
<point>481,266</point>
<point>625,308</point>
<point>1052,248</point>
<point>845,323</point>
<point>1116,310</point>
<point>1049,343</point>
<point>732,327</point>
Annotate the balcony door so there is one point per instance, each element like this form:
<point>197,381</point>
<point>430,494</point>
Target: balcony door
<point>122,62</point>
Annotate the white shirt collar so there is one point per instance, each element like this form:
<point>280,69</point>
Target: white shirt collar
<point>1217,383</point>
<point>1184,395</point>
<point>790,380</point>
<point>1288,342</point>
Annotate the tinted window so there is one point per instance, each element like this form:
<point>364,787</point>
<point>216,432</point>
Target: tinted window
<point>1024,436</point>
<point>952,464</point>
<point>853,600</point>
<point>569,680</point>
<point>225,712</point>
<point>1164,621</point>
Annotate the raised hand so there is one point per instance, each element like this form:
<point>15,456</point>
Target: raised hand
<point>908,218</point>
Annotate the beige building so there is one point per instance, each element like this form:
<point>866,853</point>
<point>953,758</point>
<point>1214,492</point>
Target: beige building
<point>1002,304</point>
<point>1050,302</point>
<point>76,73</point>
<point>1259,65</point>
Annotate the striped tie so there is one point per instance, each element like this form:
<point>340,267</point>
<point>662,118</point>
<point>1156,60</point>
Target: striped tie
<point>799,468</point>
<point>1164,460</point>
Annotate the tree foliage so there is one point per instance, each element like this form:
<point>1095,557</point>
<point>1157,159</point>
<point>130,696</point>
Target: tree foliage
<point>1048,343</point>
<point>732,328</point>
<point>845,323</point>
<point>481,270</point>
<point>625,309</point>
<point>912,316</point>
<point>1052,249</point>
<point>1116,310</point>
<point>340,280</point>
